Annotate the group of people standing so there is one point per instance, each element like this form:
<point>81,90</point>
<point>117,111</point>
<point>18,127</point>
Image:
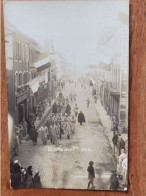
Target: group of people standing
<point>121,153</point>
<point>121,150</point>
<point>40,108</point>
<point>24,177</point>
<point>61,123</point>
<point>57,127</point>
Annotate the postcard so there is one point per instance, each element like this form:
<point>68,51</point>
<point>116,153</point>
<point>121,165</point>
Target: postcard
<point>67,66</point>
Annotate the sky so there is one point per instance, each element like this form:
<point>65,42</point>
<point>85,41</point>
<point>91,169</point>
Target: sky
<point>75,27</point>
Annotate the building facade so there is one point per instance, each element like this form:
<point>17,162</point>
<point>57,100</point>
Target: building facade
<point>31,76</point>
<point>112,76</point>
<point>22,51</point>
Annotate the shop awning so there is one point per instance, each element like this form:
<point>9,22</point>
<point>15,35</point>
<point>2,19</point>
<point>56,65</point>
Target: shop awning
<point>42,64</point>
<point>34,88</point>
<point>34,84</point>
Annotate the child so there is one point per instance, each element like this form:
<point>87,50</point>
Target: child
<point>91,174</point>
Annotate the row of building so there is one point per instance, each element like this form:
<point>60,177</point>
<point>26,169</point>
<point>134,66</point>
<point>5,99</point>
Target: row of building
<point>111,75</point>
<point>31,73</point>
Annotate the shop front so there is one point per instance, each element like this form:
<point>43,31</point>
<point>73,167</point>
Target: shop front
<point>22,107</point>
<point>115,106</point>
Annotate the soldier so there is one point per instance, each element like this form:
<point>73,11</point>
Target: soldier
<point>88,102</point>
<point>91,174</point>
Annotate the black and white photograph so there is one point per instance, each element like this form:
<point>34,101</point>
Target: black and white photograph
<point>67,66</point>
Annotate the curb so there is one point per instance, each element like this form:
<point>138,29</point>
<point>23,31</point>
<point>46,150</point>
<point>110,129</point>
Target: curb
<point>106,132</point>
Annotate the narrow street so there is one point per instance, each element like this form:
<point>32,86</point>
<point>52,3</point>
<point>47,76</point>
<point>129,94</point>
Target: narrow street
<point>68,169</point>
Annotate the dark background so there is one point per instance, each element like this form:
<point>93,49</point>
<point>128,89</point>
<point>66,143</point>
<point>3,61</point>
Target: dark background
<point>137,116</point>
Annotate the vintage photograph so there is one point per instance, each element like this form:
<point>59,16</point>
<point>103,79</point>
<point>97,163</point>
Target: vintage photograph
<point>67,65</point>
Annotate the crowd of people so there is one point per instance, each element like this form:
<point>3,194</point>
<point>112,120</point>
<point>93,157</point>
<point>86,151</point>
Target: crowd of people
<point>26,129</point>
<point>121,153</point>
<point>24,177</point>
<point>118,179</point>
<point>61,123</point>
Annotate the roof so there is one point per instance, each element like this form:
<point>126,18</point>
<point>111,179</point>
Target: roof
<point>10,28</point>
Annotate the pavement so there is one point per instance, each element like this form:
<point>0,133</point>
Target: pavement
<point>106,121</point>
<point>65,165</point>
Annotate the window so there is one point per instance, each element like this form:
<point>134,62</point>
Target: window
<point>22,51</point>
<point>20,79</point>
<point>30,78</point>
<point>18,51</point>
<point>15,50</point>
<point>26,53</point>
<point>23,78</point>
<point>16,79</point>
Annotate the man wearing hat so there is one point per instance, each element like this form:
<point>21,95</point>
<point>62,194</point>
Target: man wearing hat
<point>36,180</point>
<point>114,181</point>
<point>81,118</point>
<point>34,135</point>
<point>120,144</point>
<point>16,175</point>
<point>16,143</point>
<point>29,177</point>
<point>91,174</point>
<point>114,140</point>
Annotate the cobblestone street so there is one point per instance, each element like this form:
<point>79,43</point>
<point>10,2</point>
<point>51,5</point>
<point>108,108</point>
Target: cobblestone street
<point>68,169</point>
